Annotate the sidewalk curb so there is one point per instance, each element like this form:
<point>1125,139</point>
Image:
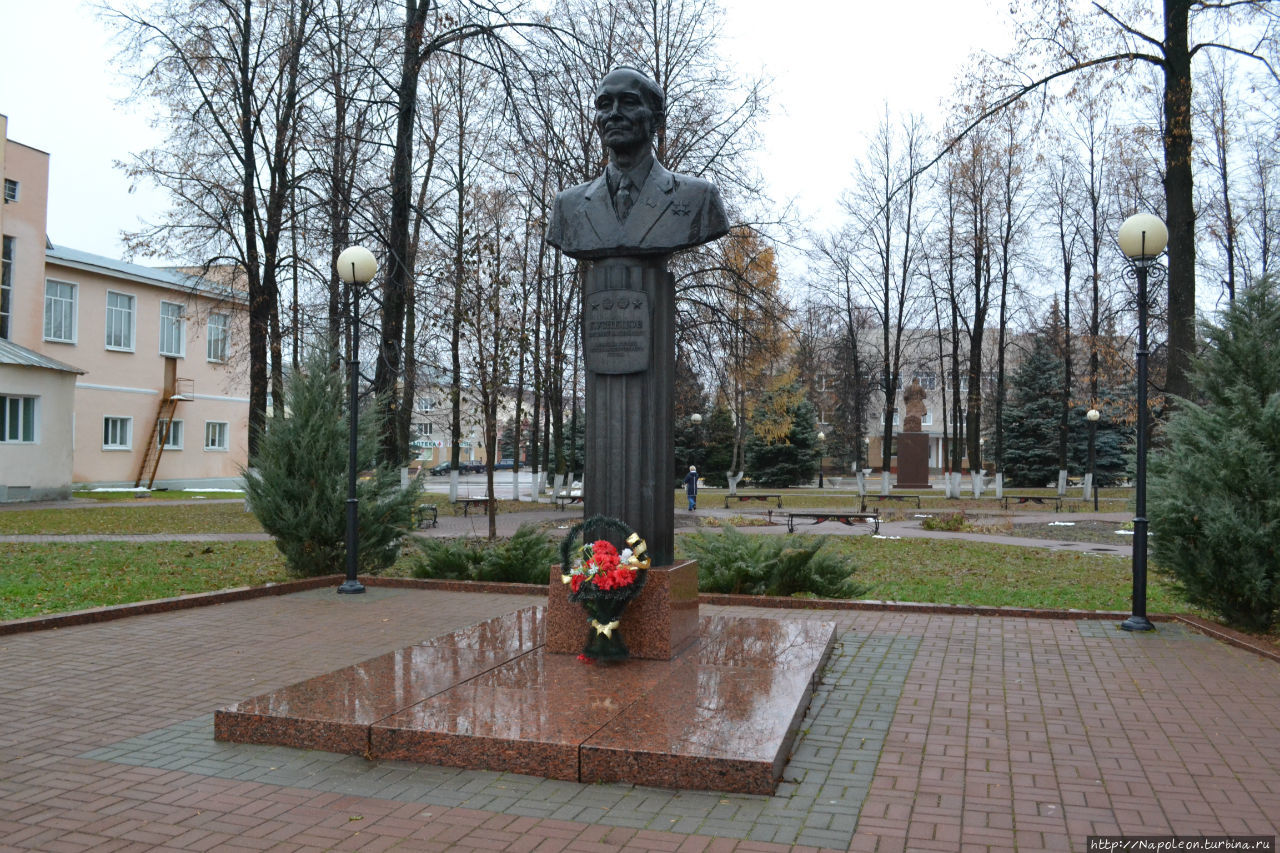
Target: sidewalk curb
<point>206,599</point>
<point>1230,636</point>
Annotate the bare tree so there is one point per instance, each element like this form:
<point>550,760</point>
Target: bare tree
<point>229,74</point>
<point>883,238</point>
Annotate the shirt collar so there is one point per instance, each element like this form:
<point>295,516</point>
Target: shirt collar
<point>638,173</point>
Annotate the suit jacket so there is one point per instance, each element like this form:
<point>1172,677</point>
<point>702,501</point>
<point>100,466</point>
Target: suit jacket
<point>672,212</point>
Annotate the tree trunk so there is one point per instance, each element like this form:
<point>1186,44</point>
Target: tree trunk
<point>399,276</point>
<point>1179,195</point>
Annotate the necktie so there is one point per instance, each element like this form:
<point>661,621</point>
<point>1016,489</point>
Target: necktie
<point>625,198</point>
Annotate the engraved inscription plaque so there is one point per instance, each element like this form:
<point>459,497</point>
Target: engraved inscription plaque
<point>617,332</point>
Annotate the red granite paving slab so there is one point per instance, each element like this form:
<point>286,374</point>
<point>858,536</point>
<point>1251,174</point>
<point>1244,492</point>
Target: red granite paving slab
<point>720,716</point>
<point>724,728</point>
<point>332,712</point>
<point>493,728</point>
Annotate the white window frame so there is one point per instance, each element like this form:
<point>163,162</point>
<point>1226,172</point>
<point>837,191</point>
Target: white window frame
<point>175,430</point>
<point>173,326</point>
<point>223,433</point>
<point>132,321</point>
<point>121,421</point>
<point>927,420</point>
<point>66,305</point>
<point>14,414</point>
<point>7,258</point>
<point>10,184</point>
<point>217,334</point>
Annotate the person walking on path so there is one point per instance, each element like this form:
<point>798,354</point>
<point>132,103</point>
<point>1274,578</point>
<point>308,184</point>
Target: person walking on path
<point>691,487</point>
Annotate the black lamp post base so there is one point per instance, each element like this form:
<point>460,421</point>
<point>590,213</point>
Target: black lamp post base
<point>1137,623</point>
<point>351,587</point>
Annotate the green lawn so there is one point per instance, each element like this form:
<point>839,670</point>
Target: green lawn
<point>132,518</point>
<point>39,579</point>
<point>958,572</point>
<point>159,495</point>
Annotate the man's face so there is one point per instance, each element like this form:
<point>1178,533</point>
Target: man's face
<point>623,117</point>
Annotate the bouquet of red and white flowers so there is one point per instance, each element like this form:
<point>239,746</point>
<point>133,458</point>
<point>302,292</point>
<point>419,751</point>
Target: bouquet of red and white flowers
<point>602,580</point>
<point>601,566</point>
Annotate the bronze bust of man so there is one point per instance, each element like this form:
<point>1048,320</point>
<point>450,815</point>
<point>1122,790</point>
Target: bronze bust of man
<point>636,207</point>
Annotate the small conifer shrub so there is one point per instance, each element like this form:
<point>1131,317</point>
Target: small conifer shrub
<point>297,486</point>
<point>734,562</point>
<point>1215,485</point>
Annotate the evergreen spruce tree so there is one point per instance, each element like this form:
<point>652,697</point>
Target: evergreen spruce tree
<point>1215,505</point>
<point>718,448</point>
<point>790,462</point>
<point>1113,444</point>
<point>298,486</point>
<point>1031,418</point>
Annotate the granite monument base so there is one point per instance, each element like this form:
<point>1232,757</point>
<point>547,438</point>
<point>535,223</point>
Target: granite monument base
<point>656,625</point>
<point>913,460</point>
<point>721,715</point>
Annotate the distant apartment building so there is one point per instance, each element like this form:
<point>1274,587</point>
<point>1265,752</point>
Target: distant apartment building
<point>156,397</point>
<point>919,362</point>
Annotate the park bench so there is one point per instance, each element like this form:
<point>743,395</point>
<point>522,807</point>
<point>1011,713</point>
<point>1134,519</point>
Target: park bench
<point>1042,500</point>
<point>422,514</point>
<point>846,517</point>
<point>467,503</point>
<point>915,498</point>
<point>741,498</point>
<point>563,500</point>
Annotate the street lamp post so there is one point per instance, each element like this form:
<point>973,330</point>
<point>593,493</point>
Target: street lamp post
<point>1142,238</point>
<point>695,457</point>
<point>1092,415</point>
<point>822,455</point>
<point>356,266</point>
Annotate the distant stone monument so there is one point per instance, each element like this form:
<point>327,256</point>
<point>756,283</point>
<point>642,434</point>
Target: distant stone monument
<point>913,444</point>
<point>913,398</point>
<point>626,224</point>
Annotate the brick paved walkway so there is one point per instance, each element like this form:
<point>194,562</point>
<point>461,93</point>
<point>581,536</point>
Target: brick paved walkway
<point>930,732</point>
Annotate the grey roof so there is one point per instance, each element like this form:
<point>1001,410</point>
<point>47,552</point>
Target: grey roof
<point>11,353</point>
<point>171,279</point>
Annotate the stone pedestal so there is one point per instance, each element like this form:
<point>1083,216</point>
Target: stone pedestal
<point>629,351</point>
<point>656,625</point>
<point>913,460</point>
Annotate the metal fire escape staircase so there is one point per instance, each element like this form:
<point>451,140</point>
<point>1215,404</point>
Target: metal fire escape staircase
<point>176,391</point>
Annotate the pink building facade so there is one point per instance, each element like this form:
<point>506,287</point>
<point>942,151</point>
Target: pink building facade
<point>162,398</point>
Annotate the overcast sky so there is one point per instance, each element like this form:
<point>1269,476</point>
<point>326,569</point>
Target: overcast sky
<point>834,65</point>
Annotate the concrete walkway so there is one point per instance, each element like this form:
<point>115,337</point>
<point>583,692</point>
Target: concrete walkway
<point>929,732</point>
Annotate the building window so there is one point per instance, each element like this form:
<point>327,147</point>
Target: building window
<point>117,433</point>
<point>18,420</point>
<point>6,287</point>
<point>59,311</point>
<point>174,439</point>
<point>173,327</point>
<point>215,435</point>
<point>217,337</point>
<point>927,420</point>
<point>897,417</point>
<point>10,190</point>
<point>119,321</point>
<point>928,381</point>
